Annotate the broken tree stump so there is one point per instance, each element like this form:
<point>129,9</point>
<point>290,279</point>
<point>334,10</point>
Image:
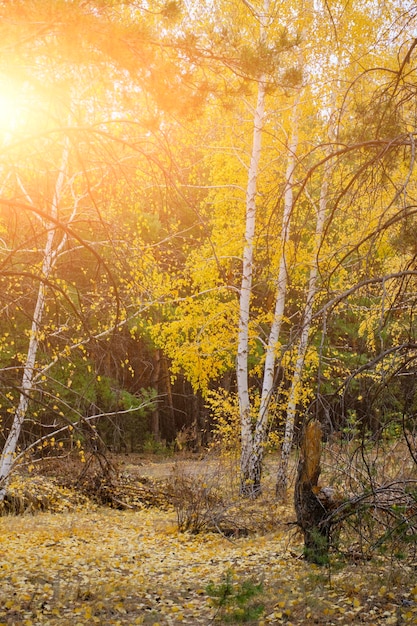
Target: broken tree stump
<point>310,508</point>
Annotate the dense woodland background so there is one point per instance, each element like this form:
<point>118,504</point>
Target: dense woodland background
<point>138,140</point>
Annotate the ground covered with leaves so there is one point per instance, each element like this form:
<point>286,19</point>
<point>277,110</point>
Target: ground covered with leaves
<point>89,564</point>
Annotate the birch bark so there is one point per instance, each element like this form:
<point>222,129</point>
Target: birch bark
<point>249,479</point>
<point>282,474</point>
<point>50,255</point>
<point>281,290</point>
<point>254,435</point>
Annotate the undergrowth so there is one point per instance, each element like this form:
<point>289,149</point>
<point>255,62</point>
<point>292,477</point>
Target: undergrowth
<point>234,599</point>
<point>209,501</point>
<point>378,521</point>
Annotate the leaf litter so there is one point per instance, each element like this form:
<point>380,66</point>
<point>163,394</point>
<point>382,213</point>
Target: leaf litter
<point>133,567</point>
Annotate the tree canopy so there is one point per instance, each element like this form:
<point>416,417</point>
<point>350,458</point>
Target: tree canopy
<point>207,218</point>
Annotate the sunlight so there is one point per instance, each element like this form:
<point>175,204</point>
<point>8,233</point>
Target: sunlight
<point>25,108</point>
<point>9,111</point>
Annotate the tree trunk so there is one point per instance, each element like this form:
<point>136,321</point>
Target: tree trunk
<point>249,464</point>
<point>310,510</point>
<point>155,417</point>
<point>281,290</point>
<point>168,428</point>
<point>49,260</point>
<point>282,474</point>
<point>253,440</point>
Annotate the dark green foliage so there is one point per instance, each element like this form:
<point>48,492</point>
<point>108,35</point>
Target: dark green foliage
<point>316,548</point>
<point>379,118</point>
<point>126,426</point>
<point>403,236</point>
<point>234,600</point>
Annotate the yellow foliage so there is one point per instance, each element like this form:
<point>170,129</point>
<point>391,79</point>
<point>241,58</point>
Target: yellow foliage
<point>200,339</point>
<point>224,407</point>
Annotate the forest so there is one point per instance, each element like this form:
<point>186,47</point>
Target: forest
<point>208,249</point>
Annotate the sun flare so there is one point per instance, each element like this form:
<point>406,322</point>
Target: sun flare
<point>10,110</point>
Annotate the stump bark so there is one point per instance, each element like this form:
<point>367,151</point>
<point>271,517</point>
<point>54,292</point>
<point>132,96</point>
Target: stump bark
<point>310,507</point>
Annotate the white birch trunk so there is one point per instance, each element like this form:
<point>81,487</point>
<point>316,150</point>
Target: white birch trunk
<point>242,374</point>
<point>282,474</point>
<point>49,259</point>
<point>248,477</point>
<point>254,458</point>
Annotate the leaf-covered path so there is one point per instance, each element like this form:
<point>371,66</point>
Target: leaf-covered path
<point>111,567</point>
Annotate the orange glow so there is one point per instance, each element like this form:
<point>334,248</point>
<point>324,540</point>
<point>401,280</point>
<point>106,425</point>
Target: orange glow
<point>10,110</point>
<point>22,110</point>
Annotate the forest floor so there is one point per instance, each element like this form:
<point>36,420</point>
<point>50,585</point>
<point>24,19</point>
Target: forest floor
<point>90,564</point>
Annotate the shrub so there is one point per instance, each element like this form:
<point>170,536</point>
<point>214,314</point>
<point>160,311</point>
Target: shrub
<point>234,599</point>
<point>197,503</point>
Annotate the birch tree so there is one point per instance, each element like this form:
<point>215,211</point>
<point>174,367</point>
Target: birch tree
<point>254,436</point>
<point>327,191</point>
<point>291,409</point>
<point>50,256</point>
<point>253,440</point>
<point>78,64</point>
<point>250,467</point>
<point>261,25</point>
